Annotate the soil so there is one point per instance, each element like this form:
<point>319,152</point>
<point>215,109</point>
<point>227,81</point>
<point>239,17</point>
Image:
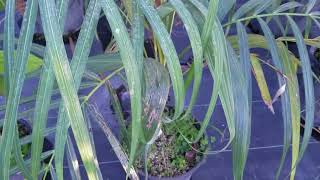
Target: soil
<point>171,155</point>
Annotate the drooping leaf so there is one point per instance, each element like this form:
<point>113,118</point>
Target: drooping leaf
<point>131,68</point>
<point>138,34</point>
<point>63,74</point>
<point>219,69</point>
<point>43,98</point>
<point>242,92</point>
<point>309,89</point>
<point>78,65</point>
<point>195,40</point>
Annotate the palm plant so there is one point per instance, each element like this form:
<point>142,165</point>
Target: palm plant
<point>207,23</point>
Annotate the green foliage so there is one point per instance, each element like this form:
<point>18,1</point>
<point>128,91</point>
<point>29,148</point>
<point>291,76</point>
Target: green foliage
<point>207,24</point>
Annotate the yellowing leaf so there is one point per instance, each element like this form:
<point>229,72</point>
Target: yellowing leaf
<point>259,75</point>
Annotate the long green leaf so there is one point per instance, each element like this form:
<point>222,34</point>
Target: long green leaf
<point>208,24</point>
<point>213,54</point>
<point>138,34</point>
<point>58,58</point>
<point>286,63</point>
<point>131,68</point>
<point>289,121</point>
<point>308,85</point>
<point>78,65</point>
<point>242,93</point>
<point>8,42</point>
<point>16,80</point>
<point>290,71</point>
<point>195,40</point>
<point>43,99</point>
<point>16,145</point>
<point>169,52</point>
<point>220,69</point>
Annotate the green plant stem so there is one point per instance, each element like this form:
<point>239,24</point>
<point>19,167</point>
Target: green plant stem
<point>101,83</point>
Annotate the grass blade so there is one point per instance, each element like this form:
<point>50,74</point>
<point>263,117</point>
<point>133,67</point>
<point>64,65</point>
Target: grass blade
<point>43,98</point>
<point>290,97</point>
<point>220,70</point>
<point>195,40</point>
<point>8,42</point>
<point>289,121</point>
<point>242,93</point>
<point>78,65</point>
<point>66,84</point>
<point>138,35</point>
<point>310,6</point>
<point>16,80</point>
<point>120,33</point>
<point>309,88</point>
<point>208,24</point>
